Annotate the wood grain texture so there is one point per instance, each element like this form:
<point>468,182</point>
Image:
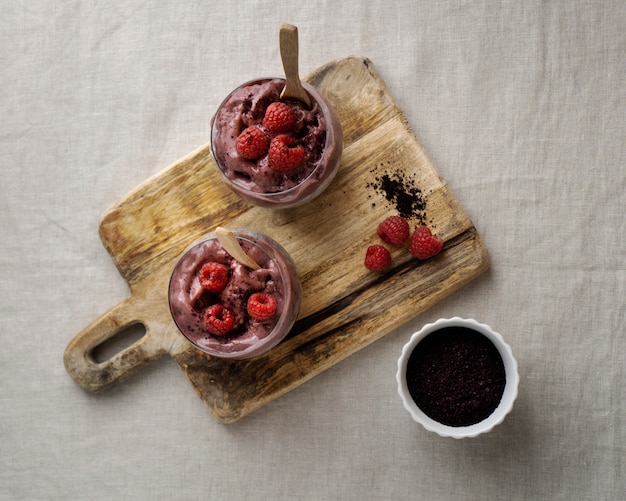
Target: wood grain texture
<point>344,306</point>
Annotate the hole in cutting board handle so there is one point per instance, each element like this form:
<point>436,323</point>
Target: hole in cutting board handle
<point>119,342</point>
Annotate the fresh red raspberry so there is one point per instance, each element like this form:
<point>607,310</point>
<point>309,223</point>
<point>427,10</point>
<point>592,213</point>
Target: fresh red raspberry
<point>252,143</point>
<point>279,117</point>
<point>424,244</point>
<point>261,306</point>
<point>377,258</point>
<point>285,153</point>
<point>219,320</point>
<point>213,276</point>
<point>394,230</point>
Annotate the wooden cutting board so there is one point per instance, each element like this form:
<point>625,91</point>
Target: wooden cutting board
<point>345,307</point>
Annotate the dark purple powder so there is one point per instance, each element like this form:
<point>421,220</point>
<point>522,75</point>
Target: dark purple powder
<point>401,190</point>
<point>456,376</point>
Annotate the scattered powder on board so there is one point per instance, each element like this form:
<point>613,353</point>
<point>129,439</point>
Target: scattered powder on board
<point>401,190</point>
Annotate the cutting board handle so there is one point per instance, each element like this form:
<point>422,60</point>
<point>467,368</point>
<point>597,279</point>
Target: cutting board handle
<point>96,375</point>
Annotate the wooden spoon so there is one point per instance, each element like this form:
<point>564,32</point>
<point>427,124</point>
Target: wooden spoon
<point>230,243</point>
<point>289,54</point>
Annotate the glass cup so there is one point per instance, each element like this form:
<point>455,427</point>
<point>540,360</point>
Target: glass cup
<point>278,277</point>
<point>318,130</point>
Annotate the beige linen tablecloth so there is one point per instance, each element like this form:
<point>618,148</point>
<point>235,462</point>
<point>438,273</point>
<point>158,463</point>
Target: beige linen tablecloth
<point>521,105</point>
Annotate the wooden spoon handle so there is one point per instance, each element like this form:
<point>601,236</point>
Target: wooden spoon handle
<point>288,41</point>
<point>230,243</point>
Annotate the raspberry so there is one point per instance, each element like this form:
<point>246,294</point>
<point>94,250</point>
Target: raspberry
<point>252,143</point>
<point>285,153</point>
<point>377,258</point>
<point>424,244</point>
<point>213,276</point>
<point>279,117</point>
<point>261,306</point>
<point>218,320</point>
<point>394,230</point>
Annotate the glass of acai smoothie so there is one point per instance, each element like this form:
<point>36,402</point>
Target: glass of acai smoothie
<point>272,152</point>
<point>228,309</point>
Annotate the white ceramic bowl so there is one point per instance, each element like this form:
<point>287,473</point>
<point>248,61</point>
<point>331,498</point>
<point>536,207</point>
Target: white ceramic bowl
<point>510,389</point>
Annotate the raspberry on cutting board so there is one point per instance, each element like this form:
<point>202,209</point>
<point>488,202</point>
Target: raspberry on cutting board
<point>394,230</point>
<point>424,244</point>
<point>377,258</point>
